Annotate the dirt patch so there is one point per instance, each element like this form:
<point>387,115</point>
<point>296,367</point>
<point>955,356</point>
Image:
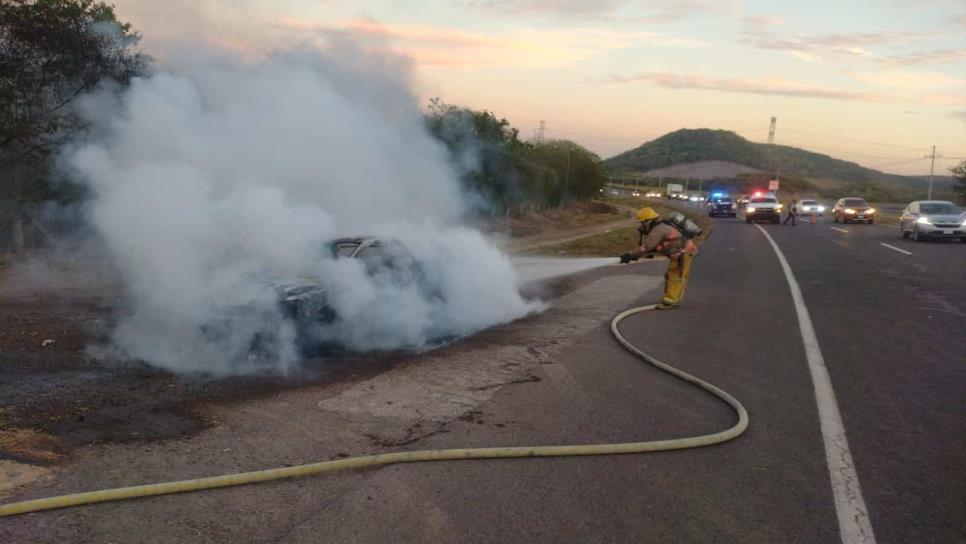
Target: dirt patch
<point>14,476</point>
<point>28,445</point>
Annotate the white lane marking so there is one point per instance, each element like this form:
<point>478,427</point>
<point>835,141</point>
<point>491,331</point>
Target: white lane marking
<point>895,248</point>
<point>854,525</point>
<point>838,229</point>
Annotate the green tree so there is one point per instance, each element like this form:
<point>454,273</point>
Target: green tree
<point>52,52</point>
<point>579,171</point>
<point>959,173</point>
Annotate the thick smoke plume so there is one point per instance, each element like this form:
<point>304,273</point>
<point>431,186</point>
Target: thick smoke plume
<point>212,181</point>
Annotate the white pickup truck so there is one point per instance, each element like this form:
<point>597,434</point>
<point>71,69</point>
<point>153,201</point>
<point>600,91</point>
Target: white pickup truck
<point>763,208</point>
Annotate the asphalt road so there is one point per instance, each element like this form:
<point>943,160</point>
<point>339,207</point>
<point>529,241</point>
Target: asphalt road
<point>889,324</point>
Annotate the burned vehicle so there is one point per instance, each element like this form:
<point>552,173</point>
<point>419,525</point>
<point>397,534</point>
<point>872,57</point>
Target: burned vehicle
<point>303,309</point>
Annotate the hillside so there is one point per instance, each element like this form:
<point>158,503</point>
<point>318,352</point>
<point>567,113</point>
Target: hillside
<point>702,170</point>
<point>696,145</point>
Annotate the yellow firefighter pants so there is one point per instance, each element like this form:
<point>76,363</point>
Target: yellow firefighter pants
<point>676,278</point>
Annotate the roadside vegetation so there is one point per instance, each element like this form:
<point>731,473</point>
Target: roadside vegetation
<point>511,175</point>
<point>618,240</point>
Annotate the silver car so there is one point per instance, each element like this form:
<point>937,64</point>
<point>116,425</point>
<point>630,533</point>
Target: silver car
<point>933,219</point>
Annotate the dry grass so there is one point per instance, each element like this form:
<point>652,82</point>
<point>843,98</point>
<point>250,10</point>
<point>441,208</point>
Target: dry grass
<point>617,241</point>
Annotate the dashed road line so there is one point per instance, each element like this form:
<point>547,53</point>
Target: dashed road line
<point>838,229</point>
<point>853,515</point>
<point>894,248</point>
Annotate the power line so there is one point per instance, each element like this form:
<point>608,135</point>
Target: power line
<point>906,161</point>
<point>869,142</point>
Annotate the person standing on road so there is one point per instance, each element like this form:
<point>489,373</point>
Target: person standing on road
<point>791,213</point>
<point>659,236</point>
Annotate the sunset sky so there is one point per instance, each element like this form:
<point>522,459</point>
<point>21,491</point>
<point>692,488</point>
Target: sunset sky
<point>877,82</point>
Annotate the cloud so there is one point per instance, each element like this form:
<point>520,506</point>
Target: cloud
<point>763,20</point>
<point>935,56</point>
<point>944,99</point>
<point>659,12</point>
<point>553,9</point>
<point>675,11</point>
<point>515,48</point>
<point>959,115</point>
<point>759,32</point>
<point>911,80</point>
<point>765,86</point>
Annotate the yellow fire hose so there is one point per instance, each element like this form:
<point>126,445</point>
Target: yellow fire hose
<point>123,493</point>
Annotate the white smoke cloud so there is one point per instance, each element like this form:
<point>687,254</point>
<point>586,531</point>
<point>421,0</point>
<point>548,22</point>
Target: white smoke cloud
<point>210,181</point>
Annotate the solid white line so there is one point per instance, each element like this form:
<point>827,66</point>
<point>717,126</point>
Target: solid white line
<point>854,525</point>
<point>895,248</point>
<point>838,229</point>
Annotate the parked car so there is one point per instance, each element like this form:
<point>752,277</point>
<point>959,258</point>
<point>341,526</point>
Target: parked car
<point>853,209</point>
<point>925,219</point>
<point>763,208</point>
<point>808,207</point>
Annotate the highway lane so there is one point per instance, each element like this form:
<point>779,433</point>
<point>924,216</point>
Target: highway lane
<point>891,324</point>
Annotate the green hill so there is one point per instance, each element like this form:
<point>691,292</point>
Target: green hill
<point>694,145</point>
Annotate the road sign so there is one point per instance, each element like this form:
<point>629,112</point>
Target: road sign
<point>773,185</point>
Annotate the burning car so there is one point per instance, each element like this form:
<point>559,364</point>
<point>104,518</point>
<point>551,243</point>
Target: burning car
<point>303,306</point>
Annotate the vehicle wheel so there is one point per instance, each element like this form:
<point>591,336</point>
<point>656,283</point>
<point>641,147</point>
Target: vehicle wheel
<point>906,234</point>
<point>835,219</point>
<point>747,220</point>
<point>776,220</point>
<point>963,239</point>
<point>871,221</point>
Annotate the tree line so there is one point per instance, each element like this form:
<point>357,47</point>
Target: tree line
<point>512,175</point>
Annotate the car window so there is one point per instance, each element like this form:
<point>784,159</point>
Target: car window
<point>763,200</point>
<point>944,208</point>
<point>344,249</point>
<point>807,203</point>
<point>855,202</point>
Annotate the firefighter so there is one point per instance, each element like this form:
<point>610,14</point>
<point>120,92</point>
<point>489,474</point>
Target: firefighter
<point>662,237</point>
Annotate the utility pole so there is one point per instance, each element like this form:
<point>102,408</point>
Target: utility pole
<point>771,141</point>
<point>932,167</point>
<point>543,126</point>
<point>567,178</point>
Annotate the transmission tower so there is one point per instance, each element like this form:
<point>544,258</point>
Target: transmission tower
<point>543,126</point>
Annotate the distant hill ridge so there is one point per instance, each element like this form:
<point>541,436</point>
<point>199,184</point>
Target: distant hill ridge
<point>698,145</point>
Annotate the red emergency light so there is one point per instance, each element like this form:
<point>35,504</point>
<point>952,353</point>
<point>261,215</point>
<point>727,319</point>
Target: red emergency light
<point>757,193</point>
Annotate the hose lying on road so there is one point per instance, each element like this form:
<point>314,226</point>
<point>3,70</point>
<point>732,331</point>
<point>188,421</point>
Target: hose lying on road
<point>148,490</point>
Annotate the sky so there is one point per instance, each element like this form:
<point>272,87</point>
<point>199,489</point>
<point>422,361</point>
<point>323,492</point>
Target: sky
<point>878,82</point>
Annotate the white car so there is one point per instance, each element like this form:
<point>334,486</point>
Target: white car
<point>635,193</point>
<point>808,207</point>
